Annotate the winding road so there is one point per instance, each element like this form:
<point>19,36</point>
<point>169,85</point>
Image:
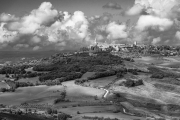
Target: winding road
<point>107,92</point>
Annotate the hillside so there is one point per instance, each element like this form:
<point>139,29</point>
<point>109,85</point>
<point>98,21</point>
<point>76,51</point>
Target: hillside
<point>101,85</point>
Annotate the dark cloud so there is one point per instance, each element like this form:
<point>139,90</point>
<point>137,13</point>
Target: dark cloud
<point>112,5</point>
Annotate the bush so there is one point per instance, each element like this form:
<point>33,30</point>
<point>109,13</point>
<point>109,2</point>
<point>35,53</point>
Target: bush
<point>133,71</point>
<point>129,83</point>
<point>132,83</point>
<point>80,81</point>
<point>102,74</point>
<point>139,82</point>
<point>119,75</point>
<point>157,75</point>
<point>49,110</point>
<point>58,100</point>
<point>63,116</point>
<point>3,89</point>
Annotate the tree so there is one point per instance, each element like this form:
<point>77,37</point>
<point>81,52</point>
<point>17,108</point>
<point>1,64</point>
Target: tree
<point>119,74</point>
<point>3,90</point>
<point>49,111</point>
<point>63,116</point>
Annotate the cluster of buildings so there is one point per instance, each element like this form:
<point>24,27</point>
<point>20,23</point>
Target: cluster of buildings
<point>112,47</point>
<point>137,48</point>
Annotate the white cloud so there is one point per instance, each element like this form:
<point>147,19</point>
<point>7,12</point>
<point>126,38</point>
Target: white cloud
<point>7,18</point>
<point>137,9</point>
<point>157,23</point>
<point>156,40</point>
<point>72,27</point>
<point>177,35</point>
<point>5,35</point>
<point>44,15</point>
<point>116,31</point>
<point>161,8</point>
<point>19,46</point>
<point>36,39</point>
<point>36,48</point>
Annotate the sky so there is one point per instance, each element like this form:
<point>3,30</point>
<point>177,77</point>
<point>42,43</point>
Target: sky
<point>89,7</point>
<point>70,24</point>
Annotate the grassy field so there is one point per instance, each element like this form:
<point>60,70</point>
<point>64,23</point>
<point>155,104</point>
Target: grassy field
<point>33,80</point>
<point>87,109</point>
<point>80,93</point>
<point>100,82</point>
<point>4,85</point>
<point>46,94</point>
<point>30,93</point>
<point>113,115</point>
<point>21,117</point>
<point>2,77</point>
<point>88,74</point>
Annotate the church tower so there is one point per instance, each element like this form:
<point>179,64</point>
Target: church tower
<point>95,42</point>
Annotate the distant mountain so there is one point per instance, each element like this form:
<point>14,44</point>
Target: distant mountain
<point>18,55</point>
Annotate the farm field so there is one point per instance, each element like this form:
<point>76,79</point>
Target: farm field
<point>29,93</point>
<point>2,77</point>
<point>4,85</point>
<point>113,115</point>
<point>33,80</point>
<point>46,94</point>
<point>155,97</point>
<point>101,82</point>
<point>80,93</point>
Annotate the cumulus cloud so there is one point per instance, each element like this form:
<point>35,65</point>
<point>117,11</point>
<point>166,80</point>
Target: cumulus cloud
<point>156,40</point>
<point>112,5</point>
<point>36,39</point>
<point>36,48</point>
<point>149,21</point>
<point>137,9</point>
<point>19,46</point>
<point>44,15</point>
<point>177,35</point>
<point>162,8</point>
<point>73,27</point>
<point>7,18</point>
<point>7,36</point>
<point>45,27</point>
<point>116,31</point>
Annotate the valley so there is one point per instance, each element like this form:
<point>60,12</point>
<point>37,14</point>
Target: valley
<point>114,96</point>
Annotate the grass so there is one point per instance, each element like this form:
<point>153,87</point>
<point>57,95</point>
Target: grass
<point>80,93</point>
<point>46,94</point>
<point>88,74</point>
<point>29,93</point>
<point>2,77</point>
<point>172,81</point>
<point>4,85</point>
<point>87,109</point>
<point>33,80</point>
<point>112,115</point>
<point>101,82</point>
<point>22,117</point>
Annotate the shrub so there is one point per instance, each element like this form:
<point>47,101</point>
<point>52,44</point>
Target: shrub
<point>119,75</point>
<point>49,110</point>
<point>63,116</point>
<point>102,74</point>
<point>129,83</point>
<point>132,83</point>
<point>139,82</point>
<point>157,75</point>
